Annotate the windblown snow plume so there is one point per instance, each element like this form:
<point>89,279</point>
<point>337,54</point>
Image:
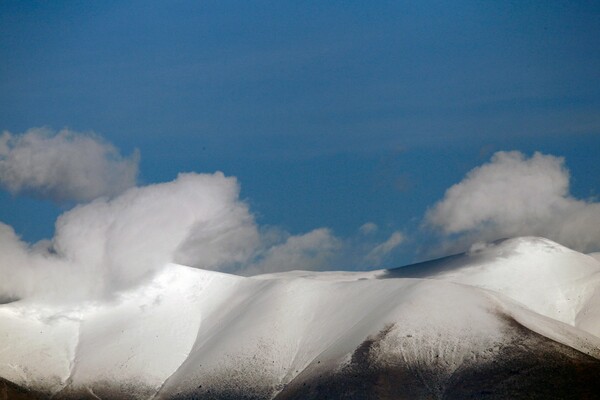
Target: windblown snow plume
<point>197,220</point>
<point>107,245</point>
<point>67,166</point>
<point>514,195</point>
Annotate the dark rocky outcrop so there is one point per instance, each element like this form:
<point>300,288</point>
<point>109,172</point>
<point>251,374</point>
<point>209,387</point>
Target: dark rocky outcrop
<point>530,366</point>
<point>11,391</point>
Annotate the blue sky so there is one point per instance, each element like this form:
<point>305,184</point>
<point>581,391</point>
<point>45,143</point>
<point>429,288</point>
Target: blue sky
<point>330,114</point>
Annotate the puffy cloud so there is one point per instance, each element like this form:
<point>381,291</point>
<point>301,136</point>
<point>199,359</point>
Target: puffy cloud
<point>514,195</point>
<point>379,252</point>
<point>314,250</point>
<point>64,166</point>
<point>198,220</point>
<point>127,233</point>
<point>111,244</point>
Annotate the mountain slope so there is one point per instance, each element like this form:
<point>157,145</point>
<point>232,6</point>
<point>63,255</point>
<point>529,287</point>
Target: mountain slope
<point>519,317</point>
<point>544,276</point>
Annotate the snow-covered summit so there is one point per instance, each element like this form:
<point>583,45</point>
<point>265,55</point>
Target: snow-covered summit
<point>455,327</point>
<point>544,276</point>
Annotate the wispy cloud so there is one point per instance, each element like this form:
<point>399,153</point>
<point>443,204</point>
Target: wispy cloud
<point>379,252</point>
<point>368,228</point>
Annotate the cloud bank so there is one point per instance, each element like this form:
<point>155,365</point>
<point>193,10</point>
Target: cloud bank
<point>127,233</point>
<point>516,195</point>
<point>64,166</point>
<point>197,220</point>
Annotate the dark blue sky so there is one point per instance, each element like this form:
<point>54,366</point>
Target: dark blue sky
<point>329,113</point>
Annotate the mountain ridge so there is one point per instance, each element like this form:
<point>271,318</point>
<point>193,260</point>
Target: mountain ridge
<point>192,333</point>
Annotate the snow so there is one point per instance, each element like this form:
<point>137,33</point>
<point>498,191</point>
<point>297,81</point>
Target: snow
<point>35,351</point>
<point>148,333</point>
<point>544,276</point>
<point>189,327</point>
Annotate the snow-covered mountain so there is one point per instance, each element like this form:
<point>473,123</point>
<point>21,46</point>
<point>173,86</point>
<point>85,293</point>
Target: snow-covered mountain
<point>518,318</point>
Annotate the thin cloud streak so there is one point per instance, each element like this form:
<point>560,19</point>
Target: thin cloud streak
<point>378,254</point>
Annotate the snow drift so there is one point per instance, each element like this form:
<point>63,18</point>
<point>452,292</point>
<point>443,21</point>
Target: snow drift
<point>516,318</point>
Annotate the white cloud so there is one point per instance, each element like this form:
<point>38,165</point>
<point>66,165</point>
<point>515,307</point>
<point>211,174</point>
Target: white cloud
<point>64,166</point>
<point>514,195</point>
<point>314,250</point>
<point>379,252</point>
<point>368,228</point>
<point>122,237</point>
<point>108,245</point>
<point>197,220</point>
